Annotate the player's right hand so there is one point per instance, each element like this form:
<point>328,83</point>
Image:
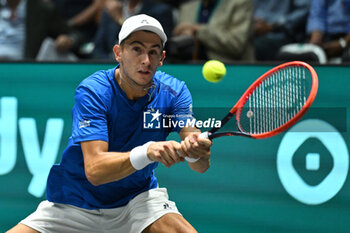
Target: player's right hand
<point>167,153</point>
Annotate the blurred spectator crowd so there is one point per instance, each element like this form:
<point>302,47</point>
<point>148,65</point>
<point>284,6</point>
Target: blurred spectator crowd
<point>197,30</point>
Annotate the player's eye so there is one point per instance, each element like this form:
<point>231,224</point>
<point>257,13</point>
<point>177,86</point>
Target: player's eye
<point>154,53</point>
<point>137,49</point>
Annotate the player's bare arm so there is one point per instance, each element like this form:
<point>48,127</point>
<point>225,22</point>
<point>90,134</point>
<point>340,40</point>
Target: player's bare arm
<point>102,167</point>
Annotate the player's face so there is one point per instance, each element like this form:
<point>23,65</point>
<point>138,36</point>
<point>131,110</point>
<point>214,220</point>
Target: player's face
<point>139,56</point>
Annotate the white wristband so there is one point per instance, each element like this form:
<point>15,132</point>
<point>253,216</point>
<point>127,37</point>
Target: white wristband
<point>191,160</point>
<point>138,156</point>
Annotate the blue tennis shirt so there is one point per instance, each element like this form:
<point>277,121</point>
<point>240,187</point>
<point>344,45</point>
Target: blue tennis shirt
<point>103,112</point>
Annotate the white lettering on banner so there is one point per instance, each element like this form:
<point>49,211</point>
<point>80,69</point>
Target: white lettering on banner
<point>8,134</point>
<point>38,162</point>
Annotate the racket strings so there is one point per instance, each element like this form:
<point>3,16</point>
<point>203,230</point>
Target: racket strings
<point>275,101</point>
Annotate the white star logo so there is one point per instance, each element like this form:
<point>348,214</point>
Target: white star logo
<point>156,115</point>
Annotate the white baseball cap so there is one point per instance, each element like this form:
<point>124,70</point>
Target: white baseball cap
<point>139,23</point>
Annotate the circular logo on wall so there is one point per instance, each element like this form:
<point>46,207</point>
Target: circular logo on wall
<point>291,178</point>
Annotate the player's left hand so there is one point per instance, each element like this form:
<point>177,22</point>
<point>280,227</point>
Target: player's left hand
<point>195,147</point>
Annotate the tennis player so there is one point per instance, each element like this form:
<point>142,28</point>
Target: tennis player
<point>105,181</point>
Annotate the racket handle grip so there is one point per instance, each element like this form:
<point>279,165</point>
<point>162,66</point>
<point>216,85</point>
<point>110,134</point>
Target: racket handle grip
<point>204,135</point>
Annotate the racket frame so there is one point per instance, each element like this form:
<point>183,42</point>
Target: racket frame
<point>237,108</point>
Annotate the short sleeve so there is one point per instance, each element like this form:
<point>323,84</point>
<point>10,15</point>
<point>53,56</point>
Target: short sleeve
<point>182,109</point>
<point>89,116</point>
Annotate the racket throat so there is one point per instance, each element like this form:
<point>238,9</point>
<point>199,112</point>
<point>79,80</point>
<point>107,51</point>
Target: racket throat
<point>223,122</point>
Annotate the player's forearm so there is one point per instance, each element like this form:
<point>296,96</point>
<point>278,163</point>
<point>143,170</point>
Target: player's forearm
<point>109,167</point>
<point>200,166</point>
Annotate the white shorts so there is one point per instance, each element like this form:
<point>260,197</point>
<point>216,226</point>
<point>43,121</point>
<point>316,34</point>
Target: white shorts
<point>139,213</point>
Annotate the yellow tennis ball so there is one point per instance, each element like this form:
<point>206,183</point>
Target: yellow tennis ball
<point>214,70</point>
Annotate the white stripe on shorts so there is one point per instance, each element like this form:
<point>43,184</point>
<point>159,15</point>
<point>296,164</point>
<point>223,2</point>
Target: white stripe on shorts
<point>139,213</point>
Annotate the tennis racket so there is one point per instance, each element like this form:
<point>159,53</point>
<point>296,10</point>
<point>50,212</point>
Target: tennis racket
<point>272,104</point>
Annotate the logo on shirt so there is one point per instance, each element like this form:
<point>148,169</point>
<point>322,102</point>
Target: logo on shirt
<point>190,109</point>
<point>84,123</point>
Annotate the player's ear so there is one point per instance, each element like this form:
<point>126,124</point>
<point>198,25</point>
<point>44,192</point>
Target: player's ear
<point>162,59</point>
<point>117,52</point>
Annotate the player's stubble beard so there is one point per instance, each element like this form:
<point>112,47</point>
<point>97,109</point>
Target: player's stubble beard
<point>131,83</point>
